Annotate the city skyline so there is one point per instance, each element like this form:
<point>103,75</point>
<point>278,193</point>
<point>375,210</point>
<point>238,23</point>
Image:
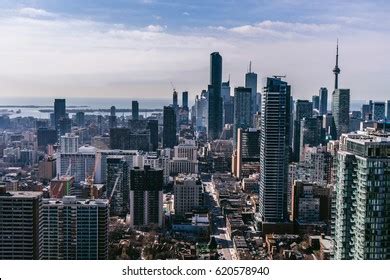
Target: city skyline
<point>115,44</point>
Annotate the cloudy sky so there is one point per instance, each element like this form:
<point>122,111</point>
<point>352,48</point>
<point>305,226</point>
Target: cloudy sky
<point>135,48</point>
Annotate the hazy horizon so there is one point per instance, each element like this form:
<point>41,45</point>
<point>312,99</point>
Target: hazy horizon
<point>119,49</point>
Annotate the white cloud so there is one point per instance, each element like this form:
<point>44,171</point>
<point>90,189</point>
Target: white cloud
<point>32,12</point>
<point>186,13</point>
<point>155,28</point>
<point>73,57</point>
<point>284,29</point>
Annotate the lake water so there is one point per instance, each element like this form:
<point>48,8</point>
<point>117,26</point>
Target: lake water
<point>90,103</point>
<point>96,103</point>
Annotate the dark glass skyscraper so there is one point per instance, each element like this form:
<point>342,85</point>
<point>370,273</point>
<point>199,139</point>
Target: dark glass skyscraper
<point>274,151</point>
<point>59,111</point>
<point>215,100</point>
<point>323,101</point>
<point>169,127</point>
<point>185,99</point>
<point>175,100</point>
<point>134,110</point>
<point>153,128</point>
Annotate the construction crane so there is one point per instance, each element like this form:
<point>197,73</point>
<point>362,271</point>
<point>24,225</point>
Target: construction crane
<point>114,188</point>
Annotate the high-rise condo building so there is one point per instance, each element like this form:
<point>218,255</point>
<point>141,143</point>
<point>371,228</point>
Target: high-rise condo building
<point>20,225</point>
<point>75,229</point>
<point>362,216</point>
<point>146,197</point>
<point>274,151</point>
<point>69,143</point>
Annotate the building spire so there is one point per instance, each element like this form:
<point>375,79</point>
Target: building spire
<point>250,66</point>
<point>336,69</point>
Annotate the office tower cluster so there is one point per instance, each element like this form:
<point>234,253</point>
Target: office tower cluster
<point>230,173</point>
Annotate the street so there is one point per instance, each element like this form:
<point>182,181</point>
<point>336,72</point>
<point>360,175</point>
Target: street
<point>225,245</point>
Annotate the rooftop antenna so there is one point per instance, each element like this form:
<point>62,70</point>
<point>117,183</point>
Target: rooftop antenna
<point>250,66</point>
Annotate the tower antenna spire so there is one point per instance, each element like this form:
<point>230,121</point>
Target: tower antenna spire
<point>250,66</point>
<point>336,69</point>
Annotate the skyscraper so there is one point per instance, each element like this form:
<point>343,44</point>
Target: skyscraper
<point>361,227</point>
<point>340,110</point>
<point>274,151</point>
<point>248,152</point>
<point>185,100</point>
<point>69,143</point>
<point>118,185</point>
<point>134,110</point>
<point>379,111</point>
<point>146,196</point>
<point>112,118</point>
<point>169,127</point>
<point>153,128</point>
<point>312,133</point>
<point>20,225</point>
<point>80,119</point>
<point>323,101</point>
<point>175,100</point>
<point>214,99</point>
<point>242,109</point>
<point>119,138</point>
<point>251,82</point>
<point>388,110</point>
<point>225,91</point>
<point>315,99</point>
<point>75,229</point>
<point>64,125</point>
<point>59,111</point>
<point>303,109</point>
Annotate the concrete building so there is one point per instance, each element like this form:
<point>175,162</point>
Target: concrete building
<point>69,143</point>
<point>188,193</point>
